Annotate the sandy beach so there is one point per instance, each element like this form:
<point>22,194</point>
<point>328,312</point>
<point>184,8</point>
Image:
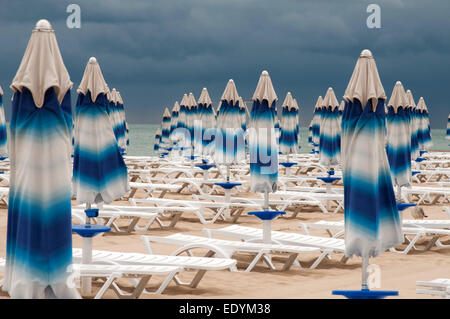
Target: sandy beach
<point>398,271</point>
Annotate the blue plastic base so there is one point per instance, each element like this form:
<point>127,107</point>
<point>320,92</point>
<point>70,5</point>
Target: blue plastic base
<point>3,158</point>
<point>287,164</point>
<point>205,167</point>
<point>420,159</point>
<point>329,179</point>
<point>266,214</point>
<point>403,206</point>
<point>191,157</point>
<point>414,172</point>
<point>90,230</point>
<point>422,152</point>
<point>365,294</point>
<point>228,185</point>
<point>91,212</point>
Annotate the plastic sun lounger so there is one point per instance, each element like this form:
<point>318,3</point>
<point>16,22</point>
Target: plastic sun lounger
<point>199,264</point>
<point>423,194</point>
<point>4,195</point>
<point>150,188</point>
<point>417,228</point>
<point>113,272</point>
<point>111,213</point>
<point>216,210</point>
<point>436,287</point>
<point>227,248</point>
<point>327,246</point>
<point>425,176</point>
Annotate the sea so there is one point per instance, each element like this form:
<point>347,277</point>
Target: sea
<point>142,140</point>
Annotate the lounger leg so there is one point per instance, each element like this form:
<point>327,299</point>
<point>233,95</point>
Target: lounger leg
<point>254,261</point>
<point>319,259</point>
<point>106,285</point>
<point>136,292</point>
<point>289,262</point>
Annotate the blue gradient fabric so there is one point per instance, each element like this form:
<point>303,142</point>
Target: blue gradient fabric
<point>316,129</point>
<point>263,147</point>
<point>39,235</point>
<point>414,128</point>
<point>447,136</point>
<point>165,132</point>
<point>205,130</point>
<point>289,131</point>
<point>330,136</point>
<point>424,132</point>
<point>398,146</point>
<point>3,133</point>
<point>372,222</point>
<point>229,139</point>
<point>99,171</point>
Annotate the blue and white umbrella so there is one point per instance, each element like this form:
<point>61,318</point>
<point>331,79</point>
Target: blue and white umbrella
<point>181,133</point>
<point>398,145</point>
<point>99,171</point>
<point>341,111</point>
<point>310,133</point>
<point>262,137</point>
<point>297,125</point>
<point>413,125</point>
<point>3,134</point>
<point>156,145</point>
<point>207,119</point>
<point>330,131</point>
<point>316,125</point>
<point>372,222</point>
<point>113,113</point>
<point>122,141</point>
<point>39,237</point>
<point>289,126</point>
<point>165,126</point>
<point>229,140</point>
<point>424,135</point>
<point>243,111</point>
<point>447,136</point>
<point>174,120</point>
<point>277,129</point>
<point>191,118</point>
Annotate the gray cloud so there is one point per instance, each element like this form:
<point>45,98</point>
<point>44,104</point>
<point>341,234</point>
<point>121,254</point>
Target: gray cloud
<point>153,52</point>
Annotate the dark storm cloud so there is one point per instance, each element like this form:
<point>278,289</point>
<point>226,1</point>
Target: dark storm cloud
<point>154,51</point>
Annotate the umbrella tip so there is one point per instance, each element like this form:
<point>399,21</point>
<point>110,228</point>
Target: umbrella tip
<point>398,83</point>
<point>43,24</point>
<point>92,59</point>
<point>230,80</point>
<point>366,53</point>
<point>265,72</point>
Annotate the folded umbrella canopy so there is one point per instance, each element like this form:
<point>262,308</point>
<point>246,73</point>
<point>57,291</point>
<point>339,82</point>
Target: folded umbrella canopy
<point>114,113</point>
<point>39,238</point>
<point>289,126</point>
<point>447,136</point>
<point>99,171</point>
<point>229,140</point>
<point>341,111</point>
<point>3,134</point>
<point>244,113</point>
<point>424,132</point>
<point>414,122</point>
<point>297,126</point>
<point>206,123</point>
<point>181,133</point>
<point>165,132</point>
<point>191,118</point>
<point>174,121</point>
<point>156,145</point>
<point>330,131</point>
<point>316,124</point>
<point>372,222</point>
<point>398,146</point>
<point>122,140</point>
<point>262,137</point>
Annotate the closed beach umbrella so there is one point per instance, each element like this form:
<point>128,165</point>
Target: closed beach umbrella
<point>414,125</point>
<point>330,131</point>
<point>3,138</point>
<point>297,126</point>
<point>262,139</point>
<point>174,120</point>
<point>244,113</point>
<point>157,140</point>
<point>113,113</point>
<point>289,126</point>
<point>165,125</point>
<point>191,118</point>
<point>277,129</point>
<point>424,135</point>
<point>99,171</point>
<point>122,141</point>
<point>316,124</point>
<point>207,120</point>
<point>341,111</point>
<point>448,128</point>
<point>398,146</point>
<point>181,134</point>
<point>310,133</point>
<point>230,147</point>
<point>372,222</point>
<point>39,237</point>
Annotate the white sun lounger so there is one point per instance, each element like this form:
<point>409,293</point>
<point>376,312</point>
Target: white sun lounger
<point>425,176</point>
<point>151,188</point>
<point>437,287</point>
<point>417,228</point>
<point>113,272</point>
<point>216,210</point>
<point>199,264</point>
<point>326,245</point>
<point>431,195</point>
<point>227,248</point>
<point>4,194</point>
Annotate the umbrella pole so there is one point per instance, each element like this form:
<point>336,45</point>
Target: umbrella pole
<point>288,171</point>
<point>399,193</point>
<point>86,282</point>
<point>267,226</point>
<point>228,173</point>
<point>365,275</point>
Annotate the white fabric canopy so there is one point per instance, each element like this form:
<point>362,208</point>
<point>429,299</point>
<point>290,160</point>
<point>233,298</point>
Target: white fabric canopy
<point>421,105</point>
<point>93,80</point>
<point>42,66</point>
<point>204,97</point>
<point>184,100</point>
<point>365,82</point>
<point>264,89</point>
<point>318,103</point>
<point>230,94</point>
<point>330,99</point>
<point>1,90</point>
<point>410,99</point>
<point>342,106</point>
<point>289,102</point>
<point>398,97</point>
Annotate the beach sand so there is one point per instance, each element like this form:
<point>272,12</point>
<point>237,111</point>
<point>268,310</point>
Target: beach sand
<point>398,272</point>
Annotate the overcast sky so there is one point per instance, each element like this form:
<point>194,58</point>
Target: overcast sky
<point>154,51</point>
